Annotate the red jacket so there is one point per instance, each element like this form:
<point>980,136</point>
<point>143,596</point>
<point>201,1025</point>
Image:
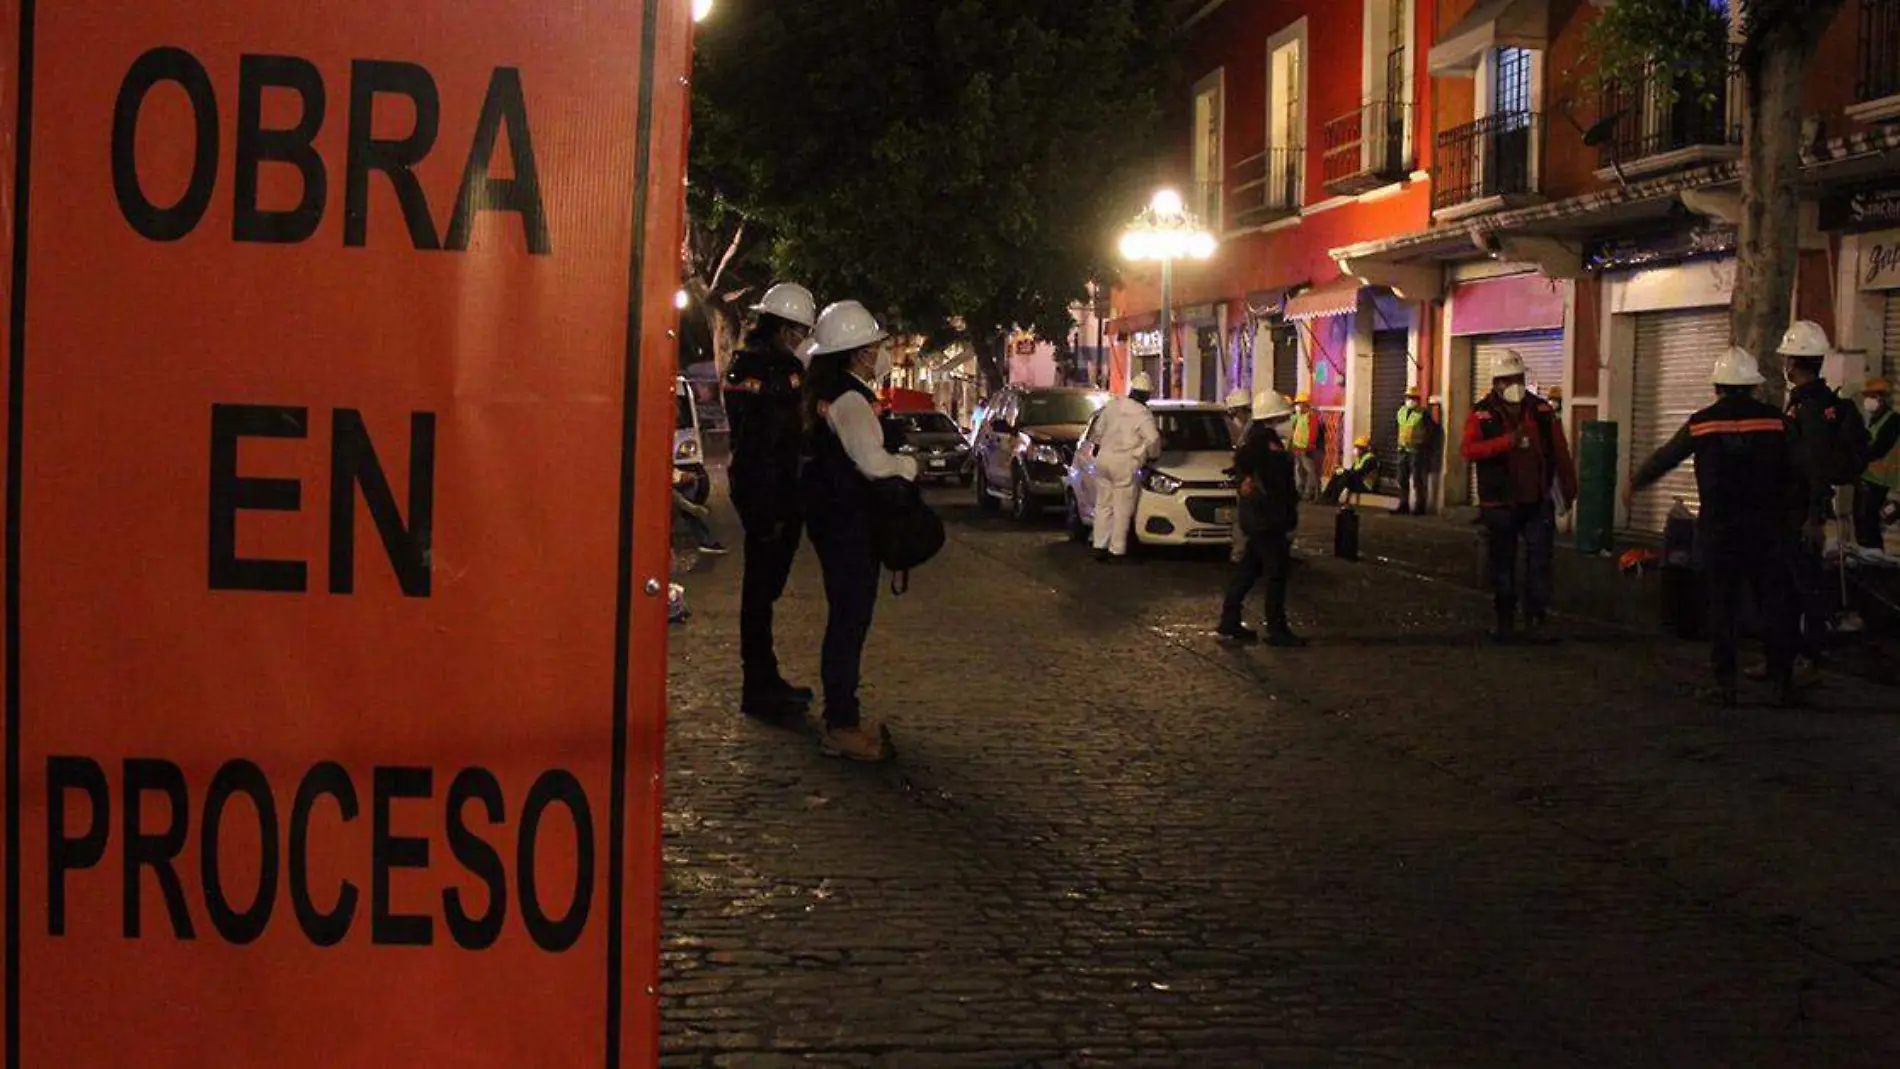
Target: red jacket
<point>1487,443</point>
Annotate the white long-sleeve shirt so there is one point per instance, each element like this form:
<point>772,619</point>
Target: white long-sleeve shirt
<point>1128,433</point>
<point>852,420</point>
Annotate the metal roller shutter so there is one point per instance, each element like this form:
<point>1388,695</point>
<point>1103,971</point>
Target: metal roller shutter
<point>1391,352</point>
<point>1286,359</point>
<point>1891,360</point>
<point>1543,353</point>
<point>1674,351</point>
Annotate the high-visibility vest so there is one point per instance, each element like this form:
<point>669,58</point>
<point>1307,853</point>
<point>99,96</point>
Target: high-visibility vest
<point>1302,432</point>
<point>1411,428</point>
<point>1883,471</point>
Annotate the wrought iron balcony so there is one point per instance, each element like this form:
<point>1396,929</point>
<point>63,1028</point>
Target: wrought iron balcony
<point>1493,158</point>
<point>1649,134</point>
<point>1367,148</point>
<point>1879,50</point>
<point>1267,186</point>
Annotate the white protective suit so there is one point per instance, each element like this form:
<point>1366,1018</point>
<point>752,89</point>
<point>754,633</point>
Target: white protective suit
<point>1128,438</point>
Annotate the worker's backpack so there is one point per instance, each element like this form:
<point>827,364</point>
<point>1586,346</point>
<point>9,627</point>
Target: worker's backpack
<point>905,531</point>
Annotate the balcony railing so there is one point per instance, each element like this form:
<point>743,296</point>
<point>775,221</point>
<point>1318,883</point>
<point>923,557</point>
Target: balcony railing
<point>1495,157</point>
<point>1648,127</point>
<point>1267,186</point>
<point>1367,148</point>
<point>1879,50</point>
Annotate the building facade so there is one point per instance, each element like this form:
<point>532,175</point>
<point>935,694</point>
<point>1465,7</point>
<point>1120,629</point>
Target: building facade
<point>1590,229</point>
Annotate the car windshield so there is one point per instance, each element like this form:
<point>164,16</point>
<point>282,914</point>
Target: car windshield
<point>1045,409</point>
<point>682,410</point>
<point>1194,432</point>
<point>922,423</point>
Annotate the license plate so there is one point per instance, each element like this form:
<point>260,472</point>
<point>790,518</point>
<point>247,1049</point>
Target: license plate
<point>1223,515</point>
<point>938,464</point>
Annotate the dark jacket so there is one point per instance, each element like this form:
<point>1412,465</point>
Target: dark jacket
<point>1808,408</point>
<point>1264,461</point>
<point>831,480</point>
<point>763,391</point>
<point>1746,468</point>
<point>1489,432</point>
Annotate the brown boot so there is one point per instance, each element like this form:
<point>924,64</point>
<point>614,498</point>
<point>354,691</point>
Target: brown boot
<point>866,742</point>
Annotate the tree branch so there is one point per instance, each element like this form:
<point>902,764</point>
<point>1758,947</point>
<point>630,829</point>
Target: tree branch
<point>732,247</point>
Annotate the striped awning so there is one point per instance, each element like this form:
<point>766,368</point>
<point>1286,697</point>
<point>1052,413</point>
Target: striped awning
<point>1335,298</point>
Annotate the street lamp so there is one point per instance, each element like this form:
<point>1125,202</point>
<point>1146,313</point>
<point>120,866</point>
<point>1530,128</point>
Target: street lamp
<point>1165,232</point>
<point>701,8</point>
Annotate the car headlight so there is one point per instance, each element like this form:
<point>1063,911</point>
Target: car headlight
<point>688,450</point>
<point>1046,454</point>
<point>907,449</point>
<point>1161,482</point>
<point>963,447</point>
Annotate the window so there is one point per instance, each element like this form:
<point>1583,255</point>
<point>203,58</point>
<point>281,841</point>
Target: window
<point>1050,409</point>
<point>1206,201</point>
<point>1511,81</point>
<point>922,422</point>
<point>1388,81</point>
<point>1194,432</point>
<point>1286,116</point>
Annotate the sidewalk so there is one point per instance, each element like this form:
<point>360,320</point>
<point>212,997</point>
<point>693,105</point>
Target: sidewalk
<point>1110,841</point>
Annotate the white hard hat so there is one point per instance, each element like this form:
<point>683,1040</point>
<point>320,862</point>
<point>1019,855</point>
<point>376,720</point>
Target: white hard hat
<point>1271,404</point>
<point>1737,367</point>
<point>789,301</point>
<point>1805,339</point>
<point>1510,365</point>
<point>805,349</point>
<point>1142,383</point>
<point>1237,398</point>
<point>845,326</point>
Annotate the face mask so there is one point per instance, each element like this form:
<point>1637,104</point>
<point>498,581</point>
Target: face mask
<point>1514,393</point>
<point>1872,405</point>
<point>1410,404</point>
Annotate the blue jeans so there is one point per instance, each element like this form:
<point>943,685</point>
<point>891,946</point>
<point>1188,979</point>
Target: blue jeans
<point>1536,526</point>
<point>852,573</point>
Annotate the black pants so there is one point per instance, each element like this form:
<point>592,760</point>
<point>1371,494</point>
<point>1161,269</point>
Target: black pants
<point>1869,499</point>
<point>852,574</point>
<point>1733,570</point>
<point>770,546</point>
<point>1412,476</point>
<point>1536,526</point>
<point>1815,597</point>
<point>1269,556</point>
<point>1343,483</point>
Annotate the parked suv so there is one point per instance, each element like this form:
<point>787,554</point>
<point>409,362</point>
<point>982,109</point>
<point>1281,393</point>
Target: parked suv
<point>1024,448</point>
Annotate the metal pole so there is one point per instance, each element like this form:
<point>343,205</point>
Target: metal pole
<point>1167,326</point>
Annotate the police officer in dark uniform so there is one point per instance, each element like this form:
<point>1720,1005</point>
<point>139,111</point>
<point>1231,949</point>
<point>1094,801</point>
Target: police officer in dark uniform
<point>1750,484</point>
<point>1269,509</point>
<point>847,453</point>
<point>763,390</point>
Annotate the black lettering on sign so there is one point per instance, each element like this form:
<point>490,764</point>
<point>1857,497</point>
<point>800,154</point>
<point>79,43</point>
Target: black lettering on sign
<point>353,463</point>
<point>476,919</point>
<point>150,220</point>
<point>521,194</point>
<point>323,929</point>
<point>230,493</point>
<point>157,851</point>
<point>295,146</point>
<point>67,852</point>
<point>395,159</point>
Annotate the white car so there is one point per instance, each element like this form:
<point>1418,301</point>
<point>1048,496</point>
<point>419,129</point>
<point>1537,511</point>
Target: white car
<point>1187,497</point>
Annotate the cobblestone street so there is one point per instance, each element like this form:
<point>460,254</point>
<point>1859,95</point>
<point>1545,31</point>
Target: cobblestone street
<point>1107,840</point>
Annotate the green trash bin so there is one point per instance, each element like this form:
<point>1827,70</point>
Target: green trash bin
<point>1596,487</point>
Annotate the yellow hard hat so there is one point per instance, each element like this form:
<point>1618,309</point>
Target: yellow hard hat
<point>1877,386</point>
<point>1303,398</point>
<point>1362,442</point>
<point>1411,391</point>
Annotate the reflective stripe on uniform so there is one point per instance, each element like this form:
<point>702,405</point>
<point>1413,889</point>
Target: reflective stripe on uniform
<point>1739,426</point>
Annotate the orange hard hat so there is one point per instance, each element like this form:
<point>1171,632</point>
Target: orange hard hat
<point>1877,386</point>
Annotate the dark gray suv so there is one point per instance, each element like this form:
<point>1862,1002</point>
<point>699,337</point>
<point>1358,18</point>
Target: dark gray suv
<point>1024,447</point>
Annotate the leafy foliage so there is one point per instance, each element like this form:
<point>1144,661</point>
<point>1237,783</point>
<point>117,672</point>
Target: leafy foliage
<point>1631,40</point>
<point>958,165</point>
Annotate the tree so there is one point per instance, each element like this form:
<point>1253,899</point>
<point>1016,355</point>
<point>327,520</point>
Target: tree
<point>1773,42</point>
<point>958,165</point>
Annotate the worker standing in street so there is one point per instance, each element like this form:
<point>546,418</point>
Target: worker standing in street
<point>1524,472</point>
<point>845,455</point>
<point>1306,437</point>
<point>1749,484</point>
<point>1832,451</point>
<point>1129,438</point>
<point>763,389</point>
<point>1416,431</point>
<point>1882,476</point>
<point>1239,417</point>
<point>1269,507</point>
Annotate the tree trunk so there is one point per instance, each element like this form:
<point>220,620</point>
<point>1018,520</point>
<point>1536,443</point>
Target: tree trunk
<point>1771,203</point>
<point>725,333</point>
<point>992,359</point>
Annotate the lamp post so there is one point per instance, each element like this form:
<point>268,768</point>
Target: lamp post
<point>1164,232</point>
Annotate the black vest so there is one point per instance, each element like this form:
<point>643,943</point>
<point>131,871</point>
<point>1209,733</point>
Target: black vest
<point>832,481</point>
<point>1494,475</point>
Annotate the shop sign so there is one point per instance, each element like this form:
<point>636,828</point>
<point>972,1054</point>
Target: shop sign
<point>1145,343</point>
<point>1659,249</point>
<point>1880,261</point>
<point>1862,210</point>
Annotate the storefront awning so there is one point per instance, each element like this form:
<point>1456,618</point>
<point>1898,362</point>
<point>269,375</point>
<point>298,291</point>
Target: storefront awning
<point>1271,302</point>
<point>1491,24</point>
<point>1135,324</point>
<point>1335,298</point>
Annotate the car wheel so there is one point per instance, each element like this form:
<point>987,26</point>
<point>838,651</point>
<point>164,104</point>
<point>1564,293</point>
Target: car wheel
<point>983,499</point>
<point>1022,507</point>
<point>1078,531</point>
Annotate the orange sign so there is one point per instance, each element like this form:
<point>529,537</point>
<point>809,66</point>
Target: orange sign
<point>338,416</point>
